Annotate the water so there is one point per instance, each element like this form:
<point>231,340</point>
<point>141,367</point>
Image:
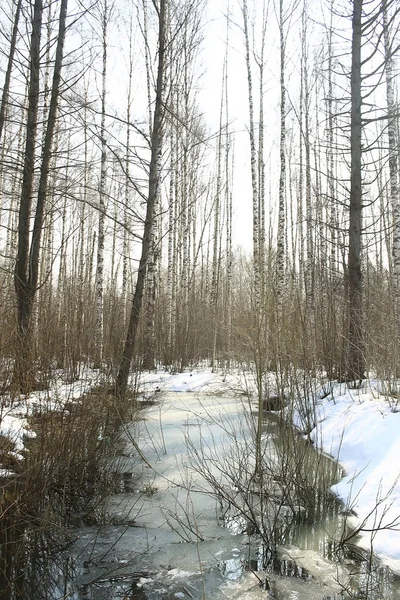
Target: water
<point>200,525</point>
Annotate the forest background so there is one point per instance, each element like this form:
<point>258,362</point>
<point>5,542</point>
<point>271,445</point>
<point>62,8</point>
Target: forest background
<point>136,141</point>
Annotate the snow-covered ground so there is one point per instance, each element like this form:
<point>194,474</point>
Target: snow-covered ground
<point>14,413</point>
<point>359,427</point>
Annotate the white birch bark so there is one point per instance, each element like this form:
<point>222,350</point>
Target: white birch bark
<point>171,256</point>
<point>102,194</point>
<point>261,160</point>
<point>147,62</point>
<point>393,157</point>
<point>281,235</point>
<point>309,274</point>
<point>333,227</point>
<point>254,169</point>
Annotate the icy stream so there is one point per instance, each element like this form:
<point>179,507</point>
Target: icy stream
<point>170,537</point>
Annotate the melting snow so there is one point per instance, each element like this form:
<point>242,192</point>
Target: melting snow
<point>360,428</point>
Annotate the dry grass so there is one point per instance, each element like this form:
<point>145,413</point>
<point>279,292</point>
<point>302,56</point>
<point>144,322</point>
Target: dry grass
<point>64,472</point>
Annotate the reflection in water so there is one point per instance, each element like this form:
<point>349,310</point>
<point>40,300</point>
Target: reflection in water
<point>289,505</point>
<point>304,514</point>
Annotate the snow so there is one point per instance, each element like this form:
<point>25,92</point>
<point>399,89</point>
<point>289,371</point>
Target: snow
<point>360,428</point>
<point>6,473</point>
<point>13,414</point>
<point>16,428</point>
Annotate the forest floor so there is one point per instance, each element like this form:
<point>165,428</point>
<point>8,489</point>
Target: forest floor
<point>358,427</point>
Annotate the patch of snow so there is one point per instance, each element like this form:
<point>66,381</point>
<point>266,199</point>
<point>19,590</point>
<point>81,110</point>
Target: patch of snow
<point>6,473</point>
<point>16,428</point>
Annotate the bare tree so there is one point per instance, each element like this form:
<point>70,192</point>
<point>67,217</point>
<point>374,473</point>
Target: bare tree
<point>253,159</point>
<point>393,155</point>
<point>356,355</point>
<point>27,263</point>
<point>154,182</point>
<point>105,16</point>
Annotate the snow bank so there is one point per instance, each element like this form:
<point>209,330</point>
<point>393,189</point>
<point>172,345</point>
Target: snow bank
<point>361,430</point>
<point>205,381</point>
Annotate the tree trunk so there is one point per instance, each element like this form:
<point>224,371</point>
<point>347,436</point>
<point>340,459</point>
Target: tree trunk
<point>393,160</point>
<point>102,205</point>
<point>280,250</point>
<point>27,264</point>
<point>254,174</point>
<point>356,353</point>
<point>154,173</point>
<point>22,370</point>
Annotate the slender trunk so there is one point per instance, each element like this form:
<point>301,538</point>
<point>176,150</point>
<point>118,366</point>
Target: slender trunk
<point>261,163</point>
<point>356,354</point>
<point>393,160</point>
<point>102,204</point>
<point>7,79</point>
<point>253,159</point>
<point>229,210</point>
<point>155,168</point>
<point>330,158</point>
<point>309,275</point>
<point>125,242</point>
<point>171,253</point>
<point>280,250</point>
<point>46,156</point>
<point>216,235</point>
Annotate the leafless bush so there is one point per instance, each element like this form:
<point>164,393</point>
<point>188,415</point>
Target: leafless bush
<point>288,488</point>
<point>63,475</point>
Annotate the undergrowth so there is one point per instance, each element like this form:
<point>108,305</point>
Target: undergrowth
<point>63,473</point>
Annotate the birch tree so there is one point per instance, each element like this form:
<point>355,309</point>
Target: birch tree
<point>393,153</point>
<point>281,234</point>
<point>253,161</point>
<point>105,15</point>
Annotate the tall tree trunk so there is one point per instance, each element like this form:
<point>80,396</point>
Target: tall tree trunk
<point>154,174</point>
<point>393,159</point>
<point>102,194</point>
<point>253,160</point>
<point>216,267</point>
<point>125,242</point>
<point>280,250</point>
<point>27,263</point>
<point>310,262</point>
<point>22,374</point>
<point>261,161</point>
<point>356,353</point>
